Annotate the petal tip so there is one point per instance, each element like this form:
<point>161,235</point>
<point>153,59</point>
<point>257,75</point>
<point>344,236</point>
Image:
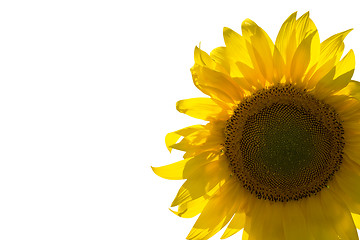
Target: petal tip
<point>247,22</point>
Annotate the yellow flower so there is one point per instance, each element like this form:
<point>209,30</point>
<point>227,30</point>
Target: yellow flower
<point>280,154</point>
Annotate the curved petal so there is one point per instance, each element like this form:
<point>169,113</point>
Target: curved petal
<point>273,228</point>
<point>332,47</point>
<point>343,72</point>
<point>185,168</point>
<point>173,137</point>
<point>278,66</point>
<point>292,33</point>
<point>206,139</point>
<point>261,48</point>
<point>217,213</point>
<point>236,46</point>
<point>318,225</point>
<point>294,221</point>
<point>330,52</point>
<point>219,56</point>
<point>216,84</point>
<point>352,205</point>
<point>202,108</point>
<point>322,93</point>
<point>320,72</point>
<point>348,108</point>
<point>236,224</point>
<point>202,144</point>
<point>346,65</point>
<point>255,222</point>
<point>204,180</point>
<point>339,216</point>
<point>284,41</point>
<point>203,59</point>
<point>301,59</point>
<point>347,181</point>
<point>194,207</point>
<point>305,27</point>
<point>172,171</point>
<point>250,75</point>
<point>352,90</point>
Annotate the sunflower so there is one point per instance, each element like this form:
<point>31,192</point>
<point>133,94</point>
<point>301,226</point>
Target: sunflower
<point>279,155</point>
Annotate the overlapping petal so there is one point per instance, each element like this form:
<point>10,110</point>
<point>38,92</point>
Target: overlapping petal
<point>295,226</point>
<point>337,78</point>
<point>248,63</point>
<point>209,176</point>
<point>216,84</point>
<point>186,168</point>
<point>260,49</point>
<point>217,213</point>
<point>236,224</point>
<point>202,108</point>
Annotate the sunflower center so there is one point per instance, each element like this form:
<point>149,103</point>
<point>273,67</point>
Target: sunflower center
<point>284,144</point>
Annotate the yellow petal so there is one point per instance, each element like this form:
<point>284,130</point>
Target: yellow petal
<point>247,228</point>
<point>322,93</point>
<point>191,208</point>
<point>283,42</point>
<point>172,171</point>
<point>352,90</point>
<point>332,47</point>
<point>173,137</point>
<point>320,73</point>
<point>202,108</point>
<point>204,180</point>
<point>343,72</point>
<point>352,142</point>
<point>347,181</point>
<point>292,33</point>
<point>258,37</point>
<point>301,59</point>
<point>347,64</point>
<point>236,224</point>
<point>318,225</point>
<point>245,84</point>
<point>304,27</point>
<point>201,144</point>
<point>245,236</point>
<point>209,138</point>
<point>348,108</point>
<point>219,56</point>
<point>338,215</point>
<point>261,48</point>
<point>257,221</point>
<point>185,168</point>
<point>273,222</point>
<point>250,75</point>
<point>356,218</point>
<point>211,61</point>
<point>236,46</point>
<point>216,214</point>
<point>203,59</point>
<point>278,66</point>
<point>216,84</point>
<point>352,205</point>
<point>294,222</point>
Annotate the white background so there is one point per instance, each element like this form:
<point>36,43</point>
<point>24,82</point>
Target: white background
<point>87,94</point>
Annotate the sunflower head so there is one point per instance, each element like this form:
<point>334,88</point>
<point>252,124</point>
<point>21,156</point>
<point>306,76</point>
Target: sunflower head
<point>280,154</point>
